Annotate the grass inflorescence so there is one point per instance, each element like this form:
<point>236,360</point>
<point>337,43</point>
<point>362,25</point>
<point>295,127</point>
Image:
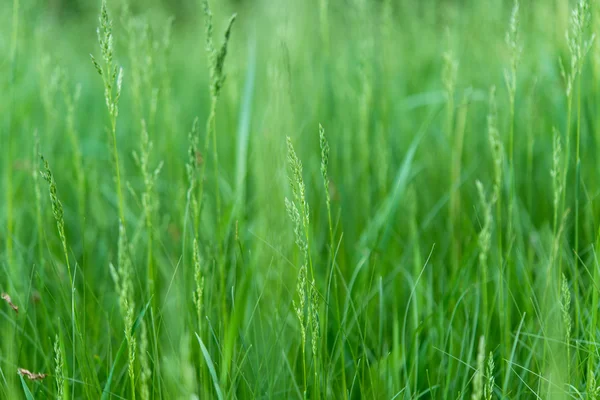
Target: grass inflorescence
<point>299,200</point>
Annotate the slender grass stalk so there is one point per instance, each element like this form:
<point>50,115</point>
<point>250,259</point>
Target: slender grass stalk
<point>513,43</point>
<point>217,79</point>
<point>417,263</point>
<point>324,145</point>
<point>565,306</point>
<point>149,199</point>
<point>579,45</point>
<point>58,212</point>
<point>449,75</point>
<point>198,297</point>
<point>497,150</point>
<point>532,110</point>
<point>579,48</point>
<point>510,77</point>
<point>455,175</point>
<point>71,99</point>
<point>123,279</point>
<point>38,197</point>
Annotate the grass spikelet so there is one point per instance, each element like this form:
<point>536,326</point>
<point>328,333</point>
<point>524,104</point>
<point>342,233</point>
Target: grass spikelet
<point>555,173</point>
<point>192,168</point>
<point>112,78</point>
<point>592,387</point>
<point>565,308</point>
<point>297,185</point>
<point>299,309</point>
<point>484,241</point>
<point>149,198</point>
<point>495,143</point>
<point>490,382</point>
<point>479,372</point>
<point>58,369</point>
<point>217,57</point>
<point>199,280</point>
<point>579,45</point>
<point>57,211</point>
<point>123,278</point>
<point>324,173</point>
<point>315,332</point>
<point>145,372</point>
<point>298,211</point>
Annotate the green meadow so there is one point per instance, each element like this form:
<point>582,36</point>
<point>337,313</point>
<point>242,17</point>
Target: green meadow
<point>324,199</point>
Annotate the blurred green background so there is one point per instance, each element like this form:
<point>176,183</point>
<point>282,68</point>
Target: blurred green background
<point>401,305</point>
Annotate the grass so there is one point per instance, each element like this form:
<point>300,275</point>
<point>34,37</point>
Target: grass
<point>243,199</point>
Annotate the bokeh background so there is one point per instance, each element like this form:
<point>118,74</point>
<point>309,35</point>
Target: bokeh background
<point>402,90</point>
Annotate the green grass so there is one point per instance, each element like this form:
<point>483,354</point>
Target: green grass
<point>329,199</point>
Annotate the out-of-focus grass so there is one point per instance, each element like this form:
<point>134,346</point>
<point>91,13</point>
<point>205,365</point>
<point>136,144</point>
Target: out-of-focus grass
<point>411,282</point>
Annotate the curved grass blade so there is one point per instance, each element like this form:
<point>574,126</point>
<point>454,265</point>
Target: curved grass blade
<point>211,368</point>
<point>28,394</point>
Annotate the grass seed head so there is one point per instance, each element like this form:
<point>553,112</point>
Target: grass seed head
<point>495,143</point>
<point>314,318</point>
<point>478,377</point>
<point>565,307</point>
<point>145,373</point>
<point>449,73</point>
<point>490,382</point>
<point>59,368</point>
<point>216,57</point>
<point>199,280</point>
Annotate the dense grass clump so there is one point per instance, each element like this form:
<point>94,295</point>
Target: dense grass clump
<point>330,199</point>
